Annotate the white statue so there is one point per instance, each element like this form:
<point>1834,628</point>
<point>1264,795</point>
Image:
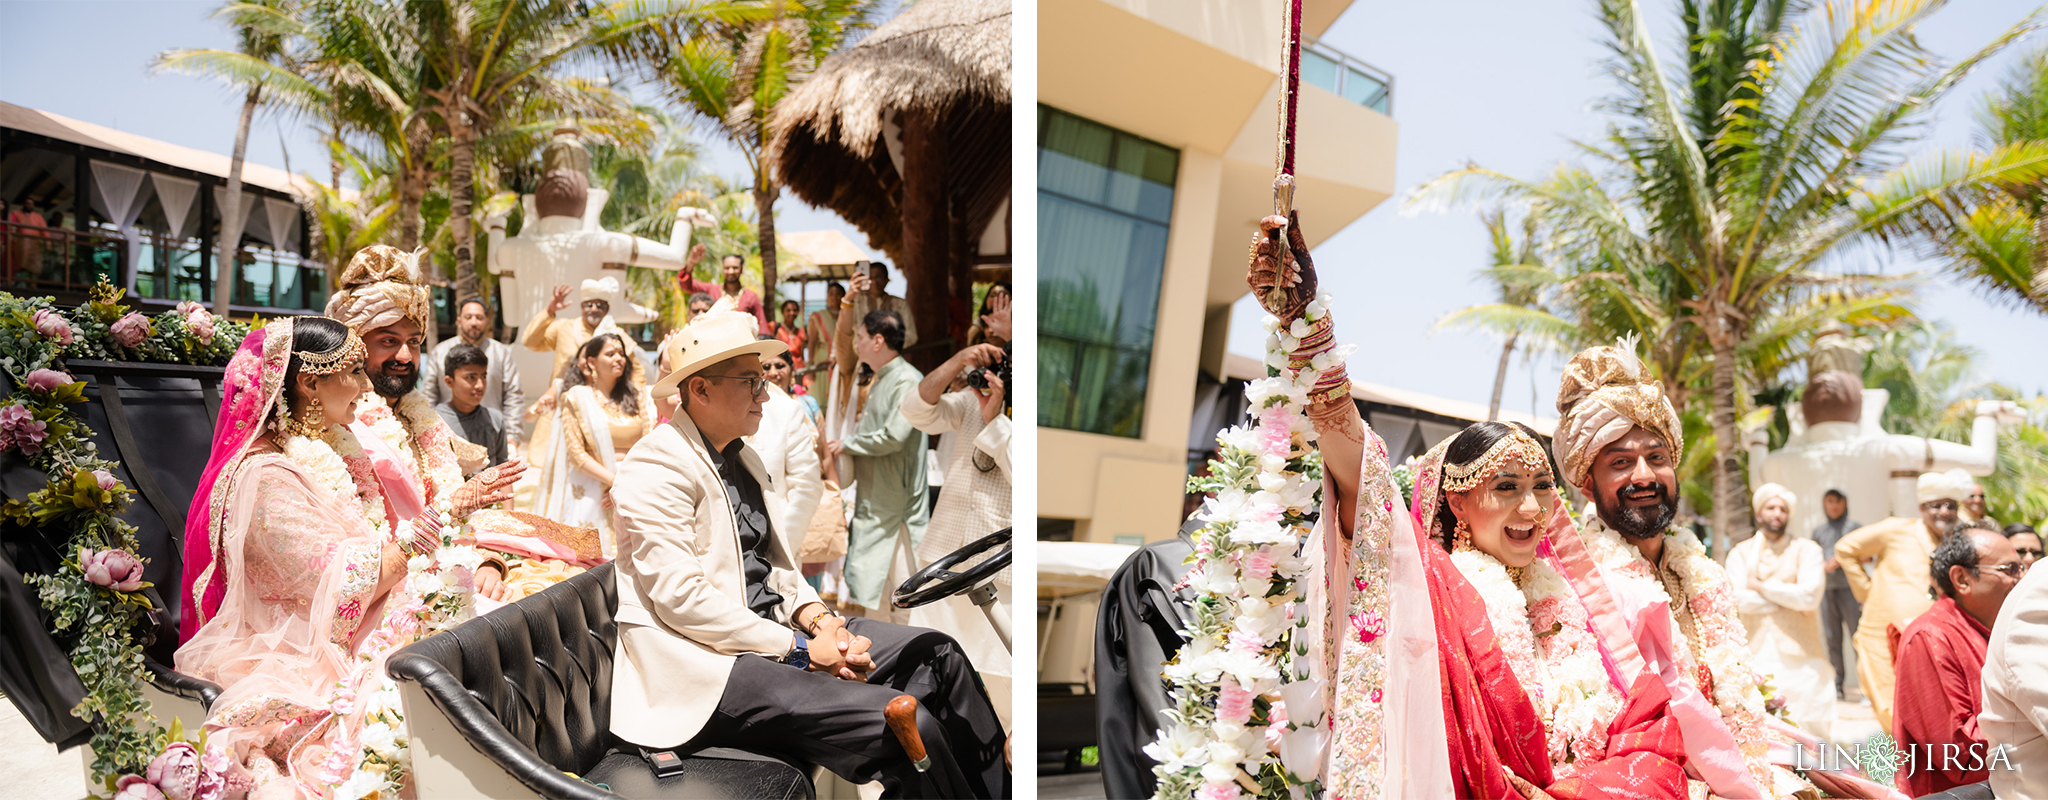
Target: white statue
<point>562,244</point>
<point>1837,444</point>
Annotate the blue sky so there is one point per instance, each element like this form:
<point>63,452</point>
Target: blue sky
<point>89,60</point>
<point>1508,85</point>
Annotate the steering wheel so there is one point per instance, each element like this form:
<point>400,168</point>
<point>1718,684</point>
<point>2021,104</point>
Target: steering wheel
<point>938,580</point>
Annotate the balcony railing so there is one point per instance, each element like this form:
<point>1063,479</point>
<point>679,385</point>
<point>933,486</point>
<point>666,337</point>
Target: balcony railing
<point>1347,77</point>
<point>37,260</point>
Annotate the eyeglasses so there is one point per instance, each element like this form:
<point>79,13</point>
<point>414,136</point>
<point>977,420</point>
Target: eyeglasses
<point>755,385</point>
<point>2030,552</point>
<point>2013,570</point>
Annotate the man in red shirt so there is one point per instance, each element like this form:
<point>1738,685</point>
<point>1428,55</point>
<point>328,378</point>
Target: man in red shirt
<point>729,270</point>
<point>1940,661</point>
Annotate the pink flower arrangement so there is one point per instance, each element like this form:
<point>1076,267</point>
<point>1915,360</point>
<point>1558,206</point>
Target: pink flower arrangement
<point>115,569</point>
<point>20,428</point>
<point>130,330</point>
<point>200,323</point>
<point>106,479</point>
<point>45,381</point>
<point>52,325</point>
<point>1233,703</point>
<point>1259,565</point>
<point>180,772</point>
<point>1219,791</point>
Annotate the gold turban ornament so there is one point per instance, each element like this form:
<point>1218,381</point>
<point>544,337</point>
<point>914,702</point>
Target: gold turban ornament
<point>1605,392</point>
<point>380,287</point>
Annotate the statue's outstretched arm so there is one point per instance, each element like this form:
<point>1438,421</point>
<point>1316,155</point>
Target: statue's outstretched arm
<point>674,255</point>
<point>1978,457</point>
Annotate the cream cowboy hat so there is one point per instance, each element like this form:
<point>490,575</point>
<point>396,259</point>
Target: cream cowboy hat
<point>710,338</point>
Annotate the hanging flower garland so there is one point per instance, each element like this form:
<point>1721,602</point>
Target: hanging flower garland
<point>1246,715</point>
<point>96,600</point>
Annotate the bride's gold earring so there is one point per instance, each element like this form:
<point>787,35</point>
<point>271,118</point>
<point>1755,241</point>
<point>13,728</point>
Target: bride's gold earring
<point>1461,536</point>
<point>315,416</point>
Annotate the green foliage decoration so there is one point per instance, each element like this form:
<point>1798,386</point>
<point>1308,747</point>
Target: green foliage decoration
<point>80,503</point>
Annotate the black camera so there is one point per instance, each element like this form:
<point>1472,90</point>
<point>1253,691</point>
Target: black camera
<point>978,376</point>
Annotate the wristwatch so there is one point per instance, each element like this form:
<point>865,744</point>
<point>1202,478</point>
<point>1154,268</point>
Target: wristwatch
<point>800,655</point>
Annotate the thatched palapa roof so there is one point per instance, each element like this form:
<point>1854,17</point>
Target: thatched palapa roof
<point>949,58</point>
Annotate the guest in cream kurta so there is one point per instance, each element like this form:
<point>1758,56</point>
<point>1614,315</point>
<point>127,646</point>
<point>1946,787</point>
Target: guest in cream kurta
<point>1778,585</point>
<point>1894,589</point>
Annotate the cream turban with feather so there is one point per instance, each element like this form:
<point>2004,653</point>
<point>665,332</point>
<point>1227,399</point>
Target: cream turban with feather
<point>1605,392</point>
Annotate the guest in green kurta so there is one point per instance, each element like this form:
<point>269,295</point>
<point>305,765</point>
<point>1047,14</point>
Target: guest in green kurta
<point>889,511</point>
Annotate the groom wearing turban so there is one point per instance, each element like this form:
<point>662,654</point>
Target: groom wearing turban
<point>383,300</point>
<point>1620,440</point>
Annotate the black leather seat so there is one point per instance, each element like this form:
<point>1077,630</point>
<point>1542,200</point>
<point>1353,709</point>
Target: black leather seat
<point>529,686</point>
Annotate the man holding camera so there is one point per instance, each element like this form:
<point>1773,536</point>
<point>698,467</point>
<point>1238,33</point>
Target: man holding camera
<point>889,507</point>
<point>975,498</point>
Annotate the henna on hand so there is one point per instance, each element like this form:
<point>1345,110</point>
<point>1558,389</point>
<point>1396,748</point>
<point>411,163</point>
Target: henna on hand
<point>1281,275</point>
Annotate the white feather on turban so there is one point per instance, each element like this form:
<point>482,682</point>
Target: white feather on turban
<point>1954,485</point>
<point>1771,491</point>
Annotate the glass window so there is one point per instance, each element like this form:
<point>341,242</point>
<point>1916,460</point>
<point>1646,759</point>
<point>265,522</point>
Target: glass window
<point>1105,201</point>
<point>1319,70</point>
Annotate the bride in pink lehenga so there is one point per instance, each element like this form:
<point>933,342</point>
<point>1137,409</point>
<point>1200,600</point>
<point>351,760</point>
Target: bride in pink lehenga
<point>289,571</point>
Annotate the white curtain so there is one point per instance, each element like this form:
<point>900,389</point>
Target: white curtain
<point>284,223</point>
<point>249,203</point>
<point>176,196</point>
<point>120,198</point>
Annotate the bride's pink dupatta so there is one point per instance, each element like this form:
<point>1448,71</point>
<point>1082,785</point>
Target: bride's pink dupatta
<point>250,387</point>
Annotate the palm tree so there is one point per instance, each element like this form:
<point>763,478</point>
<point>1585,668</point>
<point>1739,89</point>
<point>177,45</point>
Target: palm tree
<point>735,62</point>
<point>1998,239</point>
<point>1519,281</point>
<point>491,65</point>
<point>1736,178</point>
<point>260,60</point>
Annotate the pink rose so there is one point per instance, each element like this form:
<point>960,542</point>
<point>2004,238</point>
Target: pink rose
<point>1246,642</point>
<point>130,330</point>
<point>1233,703</point>
<point>1258,566</point>
<point>106,479</point>
<point>175,771</point>
<point>1219,791</point>
<point>52,325</point>
<point>186,308</point>
<point>45,381</point>
<point>134,787</point>
<point>114,569</point>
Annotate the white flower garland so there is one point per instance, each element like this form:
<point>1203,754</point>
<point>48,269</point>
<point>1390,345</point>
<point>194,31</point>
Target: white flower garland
<point>1723,641</point>
<point>396,427</point>
<point>1550,651</point>
<point>1247,716</point>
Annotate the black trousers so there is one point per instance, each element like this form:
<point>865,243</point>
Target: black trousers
<point>1839,610</point>
<point>771,707</point>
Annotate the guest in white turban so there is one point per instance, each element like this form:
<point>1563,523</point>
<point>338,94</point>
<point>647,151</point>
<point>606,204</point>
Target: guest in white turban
<point>1778,584</point>
<point>1886,563</point>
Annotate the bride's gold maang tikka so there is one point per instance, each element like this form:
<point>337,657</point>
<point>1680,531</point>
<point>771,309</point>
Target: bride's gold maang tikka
<point>1517,445</point>
<point>332,362</point>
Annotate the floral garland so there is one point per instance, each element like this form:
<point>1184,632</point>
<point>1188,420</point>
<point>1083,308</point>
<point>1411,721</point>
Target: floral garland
<point>1247,711</point>
<point>1723,651</point>
<point>1543,630</point>
<point>438,593</point>
<point>105,329</point>
<point>416,432</point>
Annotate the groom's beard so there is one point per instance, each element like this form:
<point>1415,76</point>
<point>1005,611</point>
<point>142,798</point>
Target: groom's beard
<point>394,379</point>
<point>1639,523</point>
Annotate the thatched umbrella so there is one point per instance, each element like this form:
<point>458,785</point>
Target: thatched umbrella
<point>907,136</point>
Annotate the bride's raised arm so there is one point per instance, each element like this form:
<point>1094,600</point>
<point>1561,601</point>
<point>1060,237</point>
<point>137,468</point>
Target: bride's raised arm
<point>1283,277</point>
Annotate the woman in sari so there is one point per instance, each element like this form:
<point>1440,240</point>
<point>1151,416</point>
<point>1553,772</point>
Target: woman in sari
<point>1437,687</point>
<point>289,570</point>
<point>605,409</point>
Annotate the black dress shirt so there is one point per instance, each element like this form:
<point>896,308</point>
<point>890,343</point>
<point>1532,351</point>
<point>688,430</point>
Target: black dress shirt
<point>750,518</point>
